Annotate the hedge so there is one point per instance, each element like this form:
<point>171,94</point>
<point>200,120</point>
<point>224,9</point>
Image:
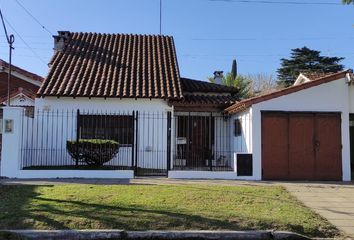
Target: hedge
<point>94,152</point>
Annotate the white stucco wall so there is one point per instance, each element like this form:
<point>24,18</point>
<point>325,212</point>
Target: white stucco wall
<point>242,143</point>
<point>101,104</point>
<point>327,97</point>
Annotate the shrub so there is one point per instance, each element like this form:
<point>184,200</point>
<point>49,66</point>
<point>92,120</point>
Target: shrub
<point>93,152</point>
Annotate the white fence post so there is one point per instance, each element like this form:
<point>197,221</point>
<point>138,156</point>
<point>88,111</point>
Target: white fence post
<point>11,141</point>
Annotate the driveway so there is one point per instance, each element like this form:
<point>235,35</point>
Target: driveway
<point>334,202</point>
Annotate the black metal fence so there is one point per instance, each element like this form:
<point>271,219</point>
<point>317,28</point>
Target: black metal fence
<point>203,142</point>
<point>150,143</point>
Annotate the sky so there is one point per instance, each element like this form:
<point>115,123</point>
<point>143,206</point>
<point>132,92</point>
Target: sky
<point>208,34</point>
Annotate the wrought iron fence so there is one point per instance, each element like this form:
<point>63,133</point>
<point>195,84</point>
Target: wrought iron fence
<point>150,143</point>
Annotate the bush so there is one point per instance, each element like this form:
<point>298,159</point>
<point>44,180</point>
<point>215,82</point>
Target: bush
<point>94,152</point>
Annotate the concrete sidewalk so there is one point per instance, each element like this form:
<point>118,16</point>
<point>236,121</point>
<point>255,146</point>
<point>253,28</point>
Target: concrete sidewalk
<point>333,202</point>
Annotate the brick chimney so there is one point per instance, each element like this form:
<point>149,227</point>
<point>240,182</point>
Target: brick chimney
<point>60,40</point>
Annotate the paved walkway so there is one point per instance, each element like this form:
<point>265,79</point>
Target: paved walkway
<point>334,201</point>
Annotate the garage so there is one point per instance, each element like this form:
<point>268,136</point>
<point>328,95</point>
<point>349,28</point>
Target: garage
<point>301,146</point>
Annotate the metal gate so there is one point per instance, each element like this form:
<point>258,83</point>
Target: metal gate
<point>153,143</point>
<point>301,146</point>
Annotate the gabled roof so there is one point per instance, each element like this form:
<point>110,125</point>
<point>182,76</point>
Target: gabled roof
<point>5,66</point>
<point>240,106</point>
<point>114,65</point>
<point>15,92</point>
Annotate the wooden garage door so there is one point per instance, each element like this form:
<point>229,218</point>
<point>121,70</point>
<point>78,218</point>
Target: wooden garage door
<point>301,146</point>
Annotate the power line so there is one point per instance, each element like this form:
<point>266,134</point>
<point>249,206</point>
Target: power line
<point>24,42</point>
<point>277,2</point>
<point>268,39</point>
<point>33,17</point>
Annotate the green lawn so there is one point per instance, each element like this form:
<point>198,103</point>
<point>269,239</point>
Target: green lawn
<point>153,207</point>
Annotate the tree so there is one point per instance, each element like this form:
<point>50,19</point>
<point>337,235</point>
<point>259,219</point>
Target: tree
<point>262,83</point>
<point>348,2</point>
<point>306,60</point>
<point>242,83</point>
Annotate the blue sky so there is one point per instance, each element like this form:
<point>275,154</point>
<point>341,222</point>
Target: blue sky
<point>208,34</point>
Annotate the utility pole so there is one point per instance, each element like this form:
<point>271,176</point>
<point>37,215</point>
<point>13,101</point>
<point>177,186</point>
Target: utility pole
<point>10,40</point>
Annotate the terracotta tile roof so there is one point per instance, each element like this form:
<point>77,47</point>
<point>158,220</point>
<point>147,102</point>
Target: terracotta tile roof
<point>204,94</point>
<point>26,73</point>
<point>240,106</point>
<point>207,99</point>
<point>114,65</point>
<point>191,85</point>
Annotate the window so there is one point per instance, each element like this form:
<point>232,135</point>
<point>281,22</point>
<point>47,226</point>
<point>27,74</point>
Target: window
<point>238,127</point>
<point>114,127</point>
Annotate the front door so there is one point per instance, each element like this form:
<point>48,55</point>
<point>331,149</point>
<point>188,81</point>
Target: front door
<point>195,135</point>
<point>199,142</point>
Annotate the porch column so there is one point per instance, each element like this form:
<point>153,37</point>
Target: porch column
<point>11,141</point>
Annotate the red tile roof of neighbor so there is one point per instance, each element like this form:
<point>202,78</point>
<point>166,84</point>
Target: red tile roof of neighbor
<point>114,65</point>
<point>240,106</point>
<point>26,73</point>
<point>27,92</point>
<point>17,82</point>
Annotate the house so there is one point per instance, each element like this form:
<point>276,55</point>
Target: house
<point>125,88</point>
<point>303,132</point>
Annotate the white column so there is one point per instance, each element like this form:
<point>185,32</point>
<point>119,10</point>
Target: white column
<point>11,141</point>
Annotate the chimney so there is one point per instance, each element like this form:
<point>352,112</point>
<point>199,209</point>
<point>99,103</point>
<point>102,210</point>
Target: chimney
<point>60,40</point>
<point>218,76</point>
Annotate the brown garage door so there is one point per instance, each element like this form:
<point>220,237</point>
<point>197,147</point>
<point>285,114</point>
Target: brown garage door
<point>301,146</point>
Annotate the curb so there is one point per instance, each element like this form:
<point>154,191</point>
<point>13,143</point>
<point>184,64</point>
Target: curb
<point>154,235</point>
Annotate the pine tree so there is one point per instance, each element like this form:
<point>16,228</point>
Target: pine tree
<point>304,60</point>
<point>234,68</point>
<point>348,2</point>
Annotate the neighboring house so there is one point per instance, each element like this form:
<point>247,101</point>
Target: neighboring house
<point>301,132</point>
<point>23,88</point>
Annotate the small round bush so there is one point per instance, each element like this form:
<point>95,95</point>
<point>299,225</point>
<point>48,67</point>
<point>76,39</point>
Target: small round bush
<point>93,152</point>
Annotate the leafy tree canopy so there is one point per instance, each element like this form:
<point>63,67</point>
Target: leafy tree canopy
<point>304,60</point>
<point>242,83</point>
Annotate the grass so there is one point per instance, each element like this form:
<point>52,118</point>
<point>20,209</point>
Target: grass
<point>156,207</point>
